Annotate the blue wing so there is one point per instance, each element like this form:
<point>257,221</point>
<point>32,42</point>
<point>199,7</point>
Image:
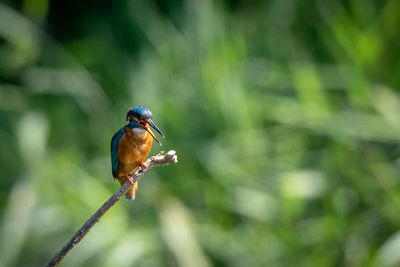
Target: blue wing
<point>114,150</point>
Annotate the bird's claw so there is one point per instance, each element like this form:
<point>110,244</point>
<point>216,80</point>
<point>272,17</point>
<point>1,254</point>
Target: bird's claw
<point>130,178</point>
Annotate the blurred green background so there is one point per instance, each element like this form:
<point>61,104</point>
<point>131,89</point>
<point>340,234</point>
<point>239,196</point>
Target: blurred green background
<point>285,115</point>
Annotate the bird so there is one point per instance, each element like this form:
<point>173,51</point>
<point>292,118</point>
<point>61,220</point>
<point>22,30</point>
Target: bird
<point>131,145</point>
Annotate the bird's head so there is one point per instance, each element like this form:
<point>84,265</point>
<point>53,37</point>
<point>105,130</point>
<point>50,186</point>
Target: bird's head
<point>141,117</point>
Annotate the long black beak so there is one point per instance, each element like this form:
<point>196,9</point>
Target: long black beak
<point>152,124</point>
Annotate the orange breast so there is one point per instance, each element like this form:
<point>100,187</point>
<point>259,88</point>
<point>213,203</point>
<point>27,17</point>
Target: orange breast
<point>133,150</point>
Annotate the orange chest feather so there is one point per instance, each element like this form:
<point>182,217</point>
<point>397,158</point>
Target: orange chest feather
<point>134,147</point>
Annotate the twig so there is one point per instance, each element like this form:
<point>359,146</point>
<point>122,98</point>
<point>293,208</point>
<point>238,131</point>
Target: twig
<point>161,158</point>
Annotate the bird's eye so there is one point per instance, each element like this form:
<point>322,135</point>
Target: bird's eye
<point>142,123</point>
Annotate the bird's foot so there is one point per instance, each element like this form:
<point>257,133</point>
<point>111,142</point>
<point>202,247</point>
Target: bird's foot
<point>130,178</point>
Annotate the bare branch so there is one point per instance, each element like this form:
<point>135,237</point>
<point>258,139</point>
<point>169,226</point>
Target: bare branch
<point>161,158</point>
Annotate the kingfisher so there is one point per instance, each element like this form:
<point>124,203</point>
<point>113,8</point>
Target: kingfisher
<point>131,145</point>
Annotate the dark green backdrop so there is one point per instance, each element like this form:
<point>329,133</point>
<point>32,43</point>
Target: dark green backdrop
<point>285,116</point>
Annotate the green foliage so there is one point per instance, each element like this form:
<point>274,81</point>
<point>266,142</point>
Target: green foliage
<point>284,114</point>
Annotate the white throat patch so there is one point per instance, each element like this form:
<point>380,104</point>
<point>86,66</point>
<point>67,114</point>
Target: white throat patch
<point>139,131</point>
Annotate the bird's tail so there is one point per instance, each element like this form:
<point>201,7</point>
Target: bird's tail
<point>130,194</point>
